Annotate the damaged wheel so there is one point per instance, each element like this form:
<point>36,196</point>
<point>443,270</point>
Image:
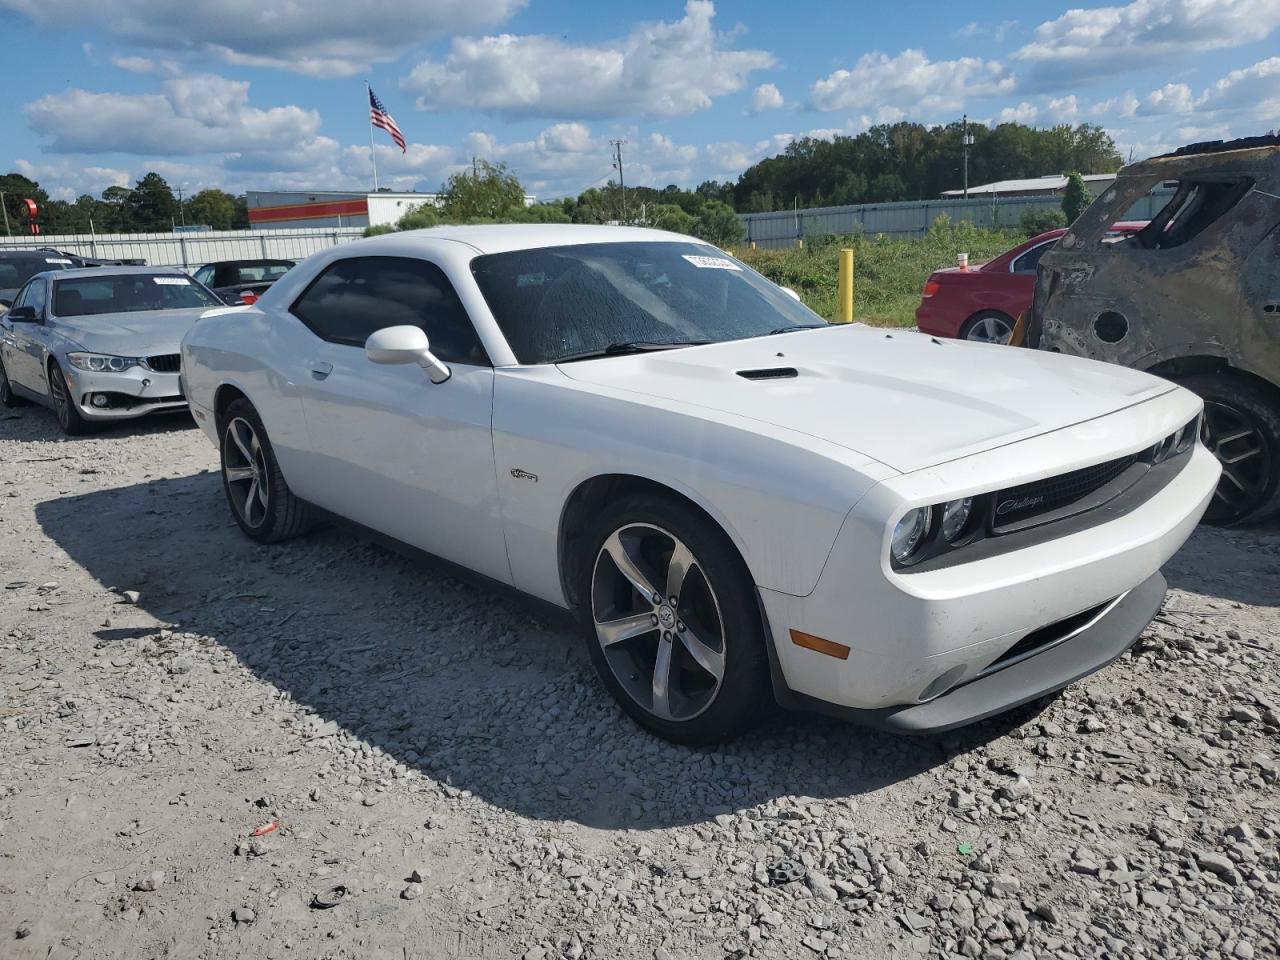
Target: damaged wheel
<point>1241,427</point>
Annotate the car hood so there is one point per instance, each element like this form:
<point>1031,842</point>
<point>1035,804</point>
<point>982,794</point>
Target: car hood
<point>140,334</point>
<point>905,399</point>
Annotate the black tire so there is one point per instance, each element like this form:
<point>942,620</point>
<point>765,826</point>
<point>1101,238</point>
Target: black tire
<point>64,405</point>
<point>1249,491</point>
<point>972,327</point>
<point>743,694</point>
<point>8,398</point>
<point>283,515</point>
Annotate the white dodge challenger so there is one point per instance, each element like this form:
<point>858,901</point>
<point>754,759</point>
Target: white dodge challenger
<point>739,502</point>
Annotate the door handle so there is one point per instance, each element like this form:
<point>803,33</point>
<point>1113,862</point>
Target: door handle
<point>321,370</point>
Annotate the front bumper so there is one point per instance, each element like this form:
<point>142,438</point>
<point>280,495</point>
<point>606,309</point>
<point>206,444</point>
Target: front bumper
<point>135,392</point>
<point>1083,652</point>
<point>916,637</point>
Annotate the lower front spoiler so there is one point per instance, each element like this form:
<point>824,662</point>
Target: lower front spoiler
<point>1021,682</point>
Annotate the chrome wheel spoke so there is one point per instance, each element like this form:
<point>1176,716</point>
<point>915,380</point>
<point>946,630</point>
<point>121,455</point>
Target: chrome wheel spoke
<point>243,443</point>
<point>662,681</point>
<point>625,628</point>
<point>627,566</point>
<point>237,474</point>
<point>678,568</point>
<point>709,659</point>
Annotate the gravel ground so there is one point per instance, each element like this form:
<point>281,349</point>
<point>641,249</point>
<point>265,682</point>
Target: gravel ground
<point>435,772</point>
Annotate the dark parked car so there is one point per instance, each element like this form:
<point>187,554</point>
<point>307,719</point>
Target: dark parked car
<point>1194,296</point>
<point>232,279</point>
<point>19,266</point>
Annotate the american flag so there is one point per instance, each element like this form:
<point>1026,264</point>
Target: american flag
<point>379,117</point>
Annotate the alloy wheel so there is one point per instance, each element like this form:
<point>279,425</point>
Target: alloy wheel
<point>61,399</point>
<point>244,466</point>
<point>657,619</point>
<point>990,330</point>
<point>1232,436</point>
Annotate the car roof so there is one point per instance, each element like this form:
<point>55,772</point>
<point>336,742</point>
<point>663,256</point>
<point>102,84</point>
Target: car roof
<point>502,237</point>
<point>75,272</point>
<point>249,260</point>
<point>32,255</point>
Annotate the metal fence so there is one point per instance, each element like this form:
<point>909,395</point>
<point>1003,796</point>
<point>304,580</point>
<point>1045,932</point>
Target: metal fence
<point>188,250</point>
<point>910,218</point>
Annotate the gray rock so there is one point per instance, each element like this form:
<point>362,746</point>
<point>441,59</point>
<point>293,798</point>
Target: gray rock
<point>1214,863</point>
<point>151,882</point>
<point>411,891</point>
<point>243,915</point>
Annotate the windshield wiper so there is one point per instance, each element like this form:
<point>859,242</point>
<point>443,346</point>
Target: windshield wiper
<point>631,346</point>
<point>792,329</point>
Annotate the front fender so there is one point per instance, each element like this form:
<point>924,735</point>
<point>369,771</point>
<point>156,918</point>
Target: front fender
<point>779,496</point>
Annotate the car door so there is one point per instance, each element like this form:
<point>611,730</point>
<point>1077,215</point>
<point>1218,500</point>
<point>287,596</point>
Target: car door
<point>23,341</point>
<point>390,449</point>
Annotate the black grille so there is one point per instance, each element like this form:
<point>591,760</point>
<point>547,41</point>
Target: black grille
<point>165,362</point>
<point>1016,506</point>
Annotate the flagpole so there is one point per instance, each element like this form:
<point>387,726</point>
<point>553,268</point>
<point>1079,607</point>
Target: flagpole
<point>368,97</point>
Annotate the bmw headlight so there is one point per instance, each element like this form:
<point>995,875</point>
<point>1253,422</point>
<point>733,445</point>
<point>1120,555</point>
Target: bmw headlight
<point>955,518</point>
<point>910,533</point>
<point>101,362</point>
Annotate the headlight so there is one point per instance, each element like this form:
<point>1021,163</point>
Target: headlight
<point>955,517</point>
<point>910,533</point>
<point>1188,436</point>
<point>101,362</point>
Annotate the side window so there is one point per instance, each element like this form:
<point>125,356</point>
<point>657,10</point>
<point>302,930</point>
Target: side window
<point>1029,261</point>
<point>1195,206</point>
<point>205,275</point>
<point>24,296</point>
<point>37,296</point>
<point>354,297</point>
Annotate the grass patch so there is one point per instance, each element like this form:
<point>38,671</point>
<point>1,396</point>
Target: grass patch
<point>887,273</point>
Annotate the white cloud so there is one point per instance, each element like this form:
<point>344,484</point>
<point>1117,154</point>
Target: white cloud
<point>200,113</point>
<point>66,180</point>
<point>1171,98</point>
<point>1025,113</point>
<point>996,31</point>
<point>1255,89</point>
<point>891,85</point>
<point>766,97</point>
<point>134,64</point>
<point>661,69</point>
<point>1082,44</point>
<point>319,37</point>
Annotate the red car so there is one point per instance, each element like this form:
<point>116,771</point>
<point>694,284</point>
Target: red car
<point>984,302</point>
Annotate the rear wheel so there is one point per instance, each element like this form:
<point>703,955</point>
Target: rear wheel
<point>263,505</point>
<point>990,326</point>
<point>64,404</point>
<point>1241,428</point>
<point>7,397</point>
<point>674,629</point>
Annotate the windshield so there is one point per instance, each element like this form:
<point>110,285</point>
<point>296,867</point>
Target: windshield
<point>556,303</point>
<point>14,273</point>
<point>128,293</point>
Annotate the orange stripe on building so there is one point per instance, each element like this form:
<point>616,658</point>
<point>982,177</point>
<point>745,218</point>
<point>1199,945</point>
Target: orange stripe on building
<point>358,207</point>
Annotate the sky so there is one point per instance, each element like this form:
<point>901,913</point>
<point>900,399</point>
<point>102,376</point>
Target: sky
<point>269,94</point>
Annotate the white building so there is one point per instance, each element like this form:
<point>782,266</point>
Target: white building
<point>278,209</point>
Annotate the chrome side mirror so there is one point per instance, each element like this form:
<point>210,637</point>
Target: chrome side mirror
<point>406,344</point>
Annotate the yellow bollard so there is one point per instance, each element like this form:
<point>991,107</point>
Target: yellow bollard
<point>844,298</point>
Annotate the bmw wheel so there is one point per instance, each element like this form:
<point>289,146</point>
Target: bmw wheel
<point>674,627</point>
<point>64,404</point>
<point>990,326</point>
<point>263,505</point>
<point>7,397</point>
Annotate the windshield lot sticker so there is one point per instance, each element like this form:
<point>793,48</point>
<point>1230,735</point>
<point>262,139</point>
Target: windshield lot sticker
<point>57,260</point>
<point>171,281</point>
<point>531,279</point>
<point>711,263</point>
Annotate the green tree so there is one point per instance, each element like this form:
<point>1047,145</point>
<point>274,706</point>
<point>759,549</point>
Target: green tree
<point>17,188</point>
<point>670,216</point>
<point>1035,222</point>
<point>719,225</point>
<point>116,211</point>
<point>1075,198</point>
<point>419,218</point>
<point>486,194</point>
<point>215,208</point>
<point>153,205</point>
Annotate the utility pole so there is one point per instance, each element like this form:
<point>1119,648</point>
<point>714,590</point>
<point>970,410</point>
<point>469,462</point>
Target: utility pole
<point>966,142</point>
<point>617,152</point>
<point>7,232</point>
<point>475,169</point>
<point>182,212</point>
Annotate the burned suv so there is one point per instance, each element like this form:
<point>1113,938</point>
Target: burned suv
<point>1194,297</point>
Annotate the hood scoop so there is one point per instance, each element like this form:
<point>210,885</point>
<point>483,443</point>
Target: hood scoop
<point>769,373</point>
